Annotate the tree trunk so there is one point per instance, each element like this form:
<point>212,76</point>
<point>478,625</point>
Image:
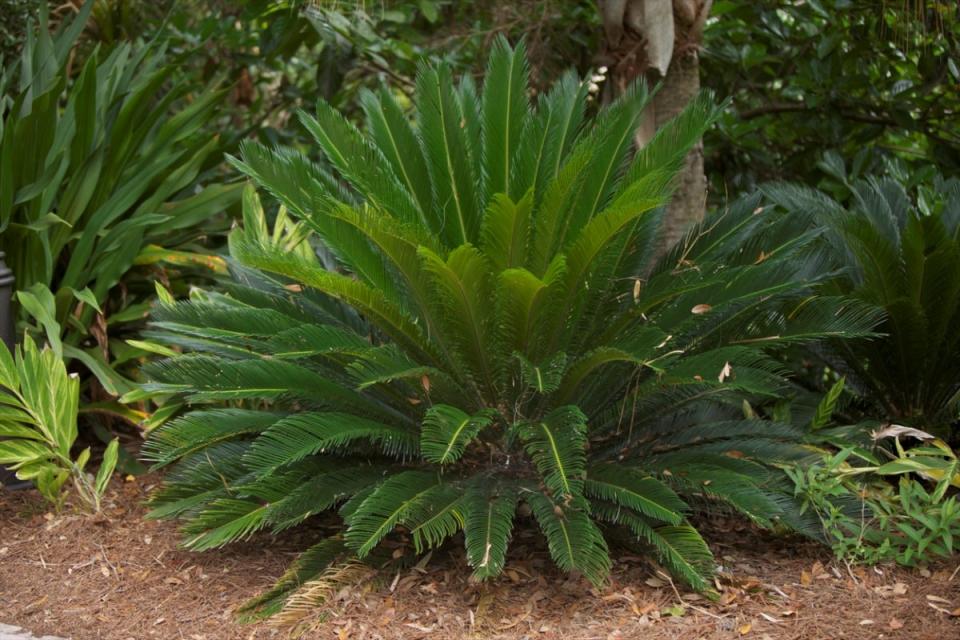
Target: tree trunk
<point>660,41</point>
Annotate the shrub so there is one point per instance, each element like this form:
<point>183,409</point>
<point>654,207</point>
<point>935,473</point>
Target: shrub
<point>38,425</point>
<point>900,252</point>
<point>482,337</point>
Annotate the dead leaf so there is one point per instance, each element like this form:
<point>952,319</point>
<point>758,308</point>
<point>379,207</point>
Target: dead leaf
<point>933,598</point>
<point>895,624</point>
<point>805,578</point>
<point>866,622</point>
<point>725,372</point>
<point>770,618</point>
<point>701,309</point>
<point>636,290</point>
<point>745,629</point>
<point>296,288</point>
<point>425,381</point>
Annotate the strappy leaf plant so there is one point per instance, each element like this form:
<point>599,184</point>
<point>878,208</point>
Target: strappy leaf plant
<point>481,341</point>
<point>98,167</point>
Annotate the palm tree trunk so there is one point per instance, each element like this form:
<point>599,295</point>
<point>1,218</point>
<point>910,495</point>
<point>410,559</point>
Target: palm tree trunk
<point>660,41</point>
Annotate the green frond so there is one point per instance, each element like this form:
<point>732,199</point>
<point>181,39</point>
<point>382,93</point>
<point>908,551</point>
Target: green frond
<point>392,133</point>
<point>445,146</point>
<point>543,378</point>
<point>436,518</point>
<point>209,379</point>
<point>463,287</point>
<point>447,431</point>
<point>360,162</point>
<point>309,340</point>
<point>180,437</point>
<point>548,136</point>
<point>387,316</point>
<point>488,511</point>
<point>300,435</point>
<point>668,149</point>
<point>393,500</point>
<point>557,445</point>
<point>322,492</point>
<point>223,521</point>
<point>199,479</point>
<point>824,412</point>
<point>574,541</point>
<point>505,233</point>
<point>381,365</point>
<point>608,143</point>
<point>679,547</point>
<point>634,490</point>
<point>505,110</point>
<point>526,309</point>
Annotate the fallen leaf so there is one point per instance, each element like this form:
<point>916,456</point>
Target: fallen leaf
<point>805,578</point>
<point>700,309</point>
<point>866,622</point>
<point>895,624</point>
<point>745,629</point>
<point>676,611</point>
<point>770,618</point>
<point>725,372</point>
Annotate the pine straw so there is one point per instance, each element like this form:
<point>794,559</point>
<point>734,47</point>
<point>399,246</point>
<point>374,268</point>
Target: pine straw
<point>119,577</point>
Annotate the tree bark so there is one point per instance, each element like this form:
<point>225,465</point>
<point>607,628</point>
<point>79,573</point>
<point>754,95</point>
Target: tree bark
<point>660,40</point>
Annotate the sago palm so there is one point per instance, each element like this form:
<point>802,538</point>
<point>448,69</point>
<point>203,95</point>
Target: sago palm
<point>484,340</point>
<point>901,253</point>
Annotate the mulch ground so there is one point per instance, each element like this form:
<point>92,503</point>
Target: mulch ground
<point>121,577</point>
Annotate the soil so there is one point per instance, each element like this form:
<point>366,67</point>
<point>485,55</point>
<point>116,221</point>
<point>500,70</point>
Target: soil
<point>118,577</point>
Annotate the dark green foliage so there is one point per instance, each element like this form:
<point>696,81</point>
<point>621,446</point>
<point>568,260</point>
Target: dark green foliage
<point>98,174</point>
<point>899,251</point>
<point>867,80</point>
<point>491,344</point>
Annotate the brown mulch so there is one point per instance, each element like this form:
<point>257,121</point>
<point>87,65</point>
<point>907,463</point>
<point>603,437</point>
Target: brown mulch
<point>120,577</point>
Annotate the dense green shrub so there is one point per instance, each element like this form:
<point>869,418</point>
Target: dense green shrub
<point>482,338</point>
<point>899,251</point>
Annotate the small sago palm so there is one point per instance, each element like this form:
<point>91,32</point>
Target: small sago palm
<point>481,339</point>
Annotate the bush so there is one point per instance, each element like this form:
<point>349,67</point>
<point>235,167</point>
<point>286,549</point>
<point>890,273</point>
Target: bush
<point>483,336</point>
<point>898,250</point>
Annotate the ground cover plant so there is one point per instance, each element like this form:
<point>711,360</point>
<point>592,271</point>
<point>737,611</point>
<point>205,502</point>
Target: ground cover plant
<point>483,338</point>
